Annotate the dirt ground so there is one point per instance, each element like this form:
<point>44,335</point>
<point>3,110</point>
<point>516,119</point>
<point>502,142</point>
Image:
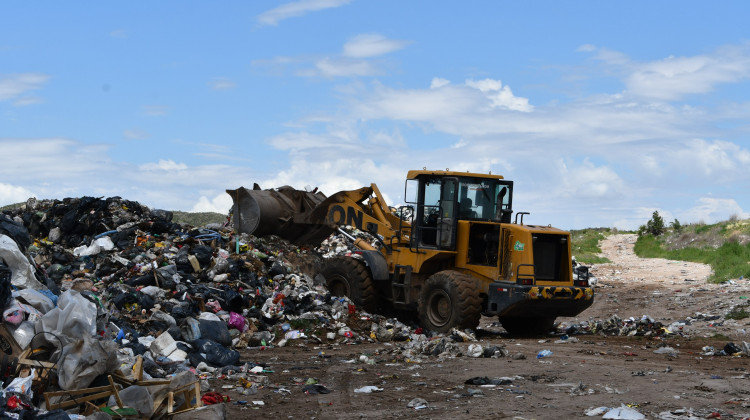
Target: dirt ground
<point>584,372</point>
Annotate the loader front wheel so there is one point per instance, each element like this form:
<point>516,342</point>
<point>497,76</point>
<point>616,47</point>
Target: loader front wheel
<point>346,276</point>
<point>449,299</point>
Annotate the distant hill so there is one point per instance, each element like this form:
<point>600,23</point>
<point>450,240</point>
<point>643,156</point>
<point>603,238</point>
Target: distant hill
<point>197,219</point>
<point>182,217</point>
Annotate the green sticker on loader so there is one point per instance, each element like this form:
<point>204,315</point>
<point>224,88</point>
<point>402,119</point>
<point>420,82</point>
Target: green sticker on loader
<point>518,246</point>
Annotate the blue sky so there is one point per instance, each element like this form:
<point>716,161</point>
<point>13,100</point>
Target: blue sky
<point>601,112</point>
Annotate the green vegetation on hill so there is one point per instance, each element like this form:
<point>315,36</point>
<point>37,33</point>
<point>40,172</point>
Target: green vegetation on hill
<point>725,246</point>
<point>585,245</point>
<point>12,206</point>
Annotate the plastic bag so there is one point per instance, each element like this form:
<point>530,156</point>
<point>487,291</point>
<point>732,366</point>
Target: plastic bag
<point>5,292</point>
<point>216,331</point>
<point>23,271</point>
<point>24,333</point>
<point>13,314</point>
<point>15,231</point>
<point>103,243</point>
<point>36,299</point>
<point>83,360</point>
<point>74,318</point>
<point>21,385</point>
<point>215,354</point>
<point>190,329</point>
<point>237,321</point>
<point>136,397</point>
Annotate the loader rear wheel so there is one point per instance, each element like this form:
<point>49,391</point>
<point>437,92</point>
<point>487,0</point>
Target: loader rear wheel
<point>346,276</point>
<point>528,325</point>
<point>449,299</point>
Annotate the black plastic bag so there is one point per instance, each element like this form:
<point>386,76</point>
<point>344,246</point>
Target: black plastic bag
<point>203,254</point>
<point>15,231</point>
<point>216,331</point>
<point>232,301</point>
<point>215,354</point>
<point>5,290</point>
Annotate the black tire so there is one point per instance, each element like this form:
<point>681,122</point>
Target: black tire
<point>449,299</point>
<point>346,276</point>
<point>525,326</point>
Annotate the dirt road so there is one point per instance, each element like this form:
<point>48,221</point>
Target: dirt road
<point>584,372</point>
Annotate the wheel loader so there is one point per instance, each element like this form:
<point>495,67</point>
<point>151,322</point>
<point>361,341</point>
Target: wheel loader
<point>453,252</point>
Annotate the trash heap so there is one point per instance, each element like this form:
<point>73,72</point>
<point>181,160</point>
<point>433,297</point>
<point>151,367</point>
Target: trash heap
<point>109,295</point>
<point>614,325</point>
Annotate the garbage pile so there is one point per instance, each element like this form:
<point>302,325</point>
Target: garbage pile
<point>109,295</point>
<point>614,326</point>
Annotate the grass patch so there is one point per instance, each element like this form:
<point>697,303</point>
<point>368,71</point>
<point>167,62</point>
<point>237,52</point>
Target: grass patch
<point>737,313</point>
<point>585,245</point>
<point>730,260</point>
<point>12,206</point>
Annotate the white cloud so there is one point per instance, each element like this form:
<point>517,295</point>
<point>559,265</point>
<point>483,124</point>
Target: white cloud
<point>712,210</point>
<point>355,61</point>
<point>14,86</point>
<point>340,67</point>
<point>119,33</point>
<point>588,181</point>
<point>714,161</point>
<point>222,83</point>
<point>371,45</point>
<point>13,194</point>
<point>163,165</point>
<point>295,9</point>
<point>155,110</point>
<point>28,100</point>
<point>337,174</point>
<point>674,78</point>
<point>59,168</point>
<point>443,103</point>
<point>219,204</point>
<point>438,82</point>
<point>49,158</point>
<point>135,134</point>
<point>500,96</point>
<point>461,143</point>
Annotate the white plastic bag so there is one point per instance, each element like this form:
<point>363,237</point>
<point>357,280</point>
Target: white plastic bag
<point>97,245</point>
<point>34,298</point>
<point>24,333</point>
<point>21,385</point>
<point>23,271</point>
<point>73,319</point>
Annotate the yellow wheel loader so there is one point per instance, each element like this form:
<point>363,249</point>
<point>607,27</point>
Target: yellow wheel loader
<point>455,251</point>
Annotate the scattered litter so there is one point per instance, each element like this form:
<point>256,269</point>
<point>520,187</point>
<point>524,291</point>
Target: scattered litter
<point>623,413</point>
<point>418,404</point>
<point>368,389</point>
<point>543,353</point>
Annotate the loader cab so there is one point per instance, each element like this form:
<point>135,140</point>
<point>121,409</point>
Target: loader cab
<point>442,198</point>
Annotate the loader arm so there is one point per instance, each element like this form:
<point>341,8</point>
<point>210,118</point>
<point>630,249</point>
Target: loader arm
<point>307,218</point>
<point>363,208</point>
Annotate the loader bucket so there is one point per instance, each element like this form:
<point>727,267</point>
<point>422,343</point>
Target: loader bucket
<point>273,211</point>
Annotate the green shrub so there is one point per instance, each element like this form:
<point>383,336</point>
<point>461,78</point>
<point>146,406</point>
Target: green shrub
<point>737,313</point>
<point>653,227</point>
